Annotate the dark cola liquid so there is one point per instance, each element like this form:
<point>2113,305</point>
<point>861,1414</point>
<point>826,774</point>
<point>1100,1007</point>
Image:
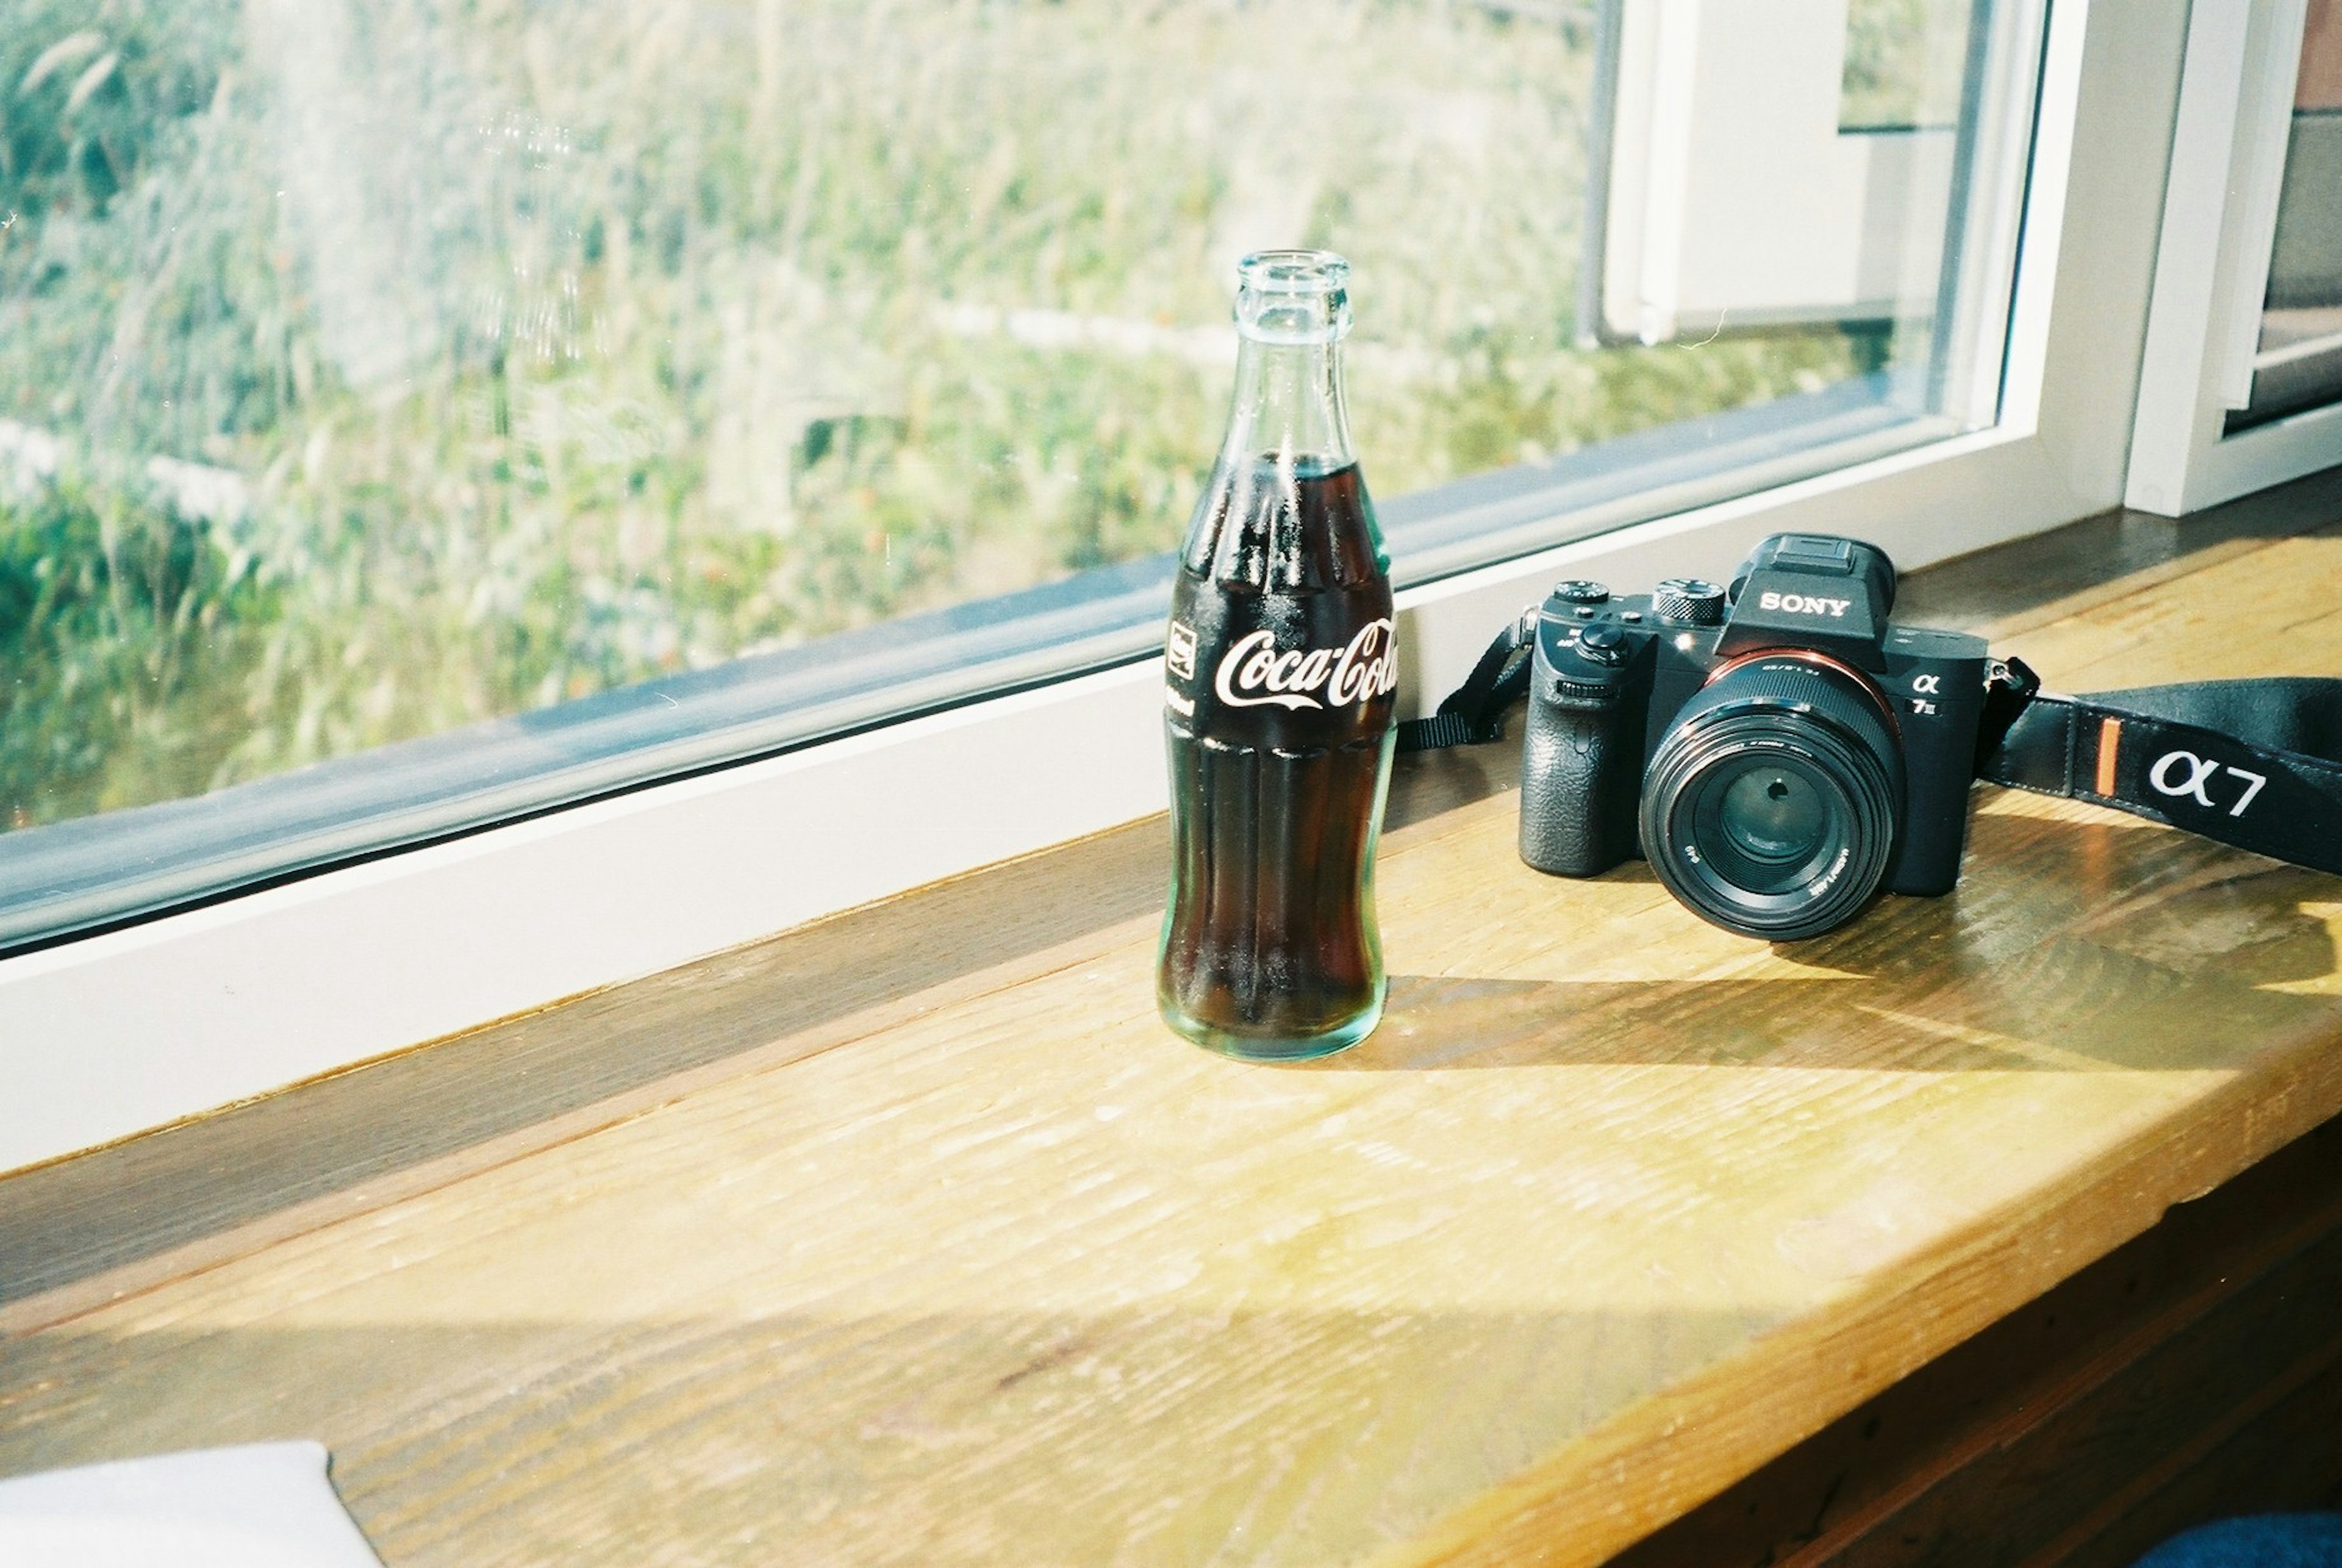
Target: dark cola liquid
<point>1278,694</point>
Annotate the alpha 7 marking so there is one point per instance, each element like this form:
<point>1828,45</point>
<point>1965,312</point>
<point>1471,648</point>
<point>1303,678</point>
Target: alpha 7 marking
<point>2196,784</point>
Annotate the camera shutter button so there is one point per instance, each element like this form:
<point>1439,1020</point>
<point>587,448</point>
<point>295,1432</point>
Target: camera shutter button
<point>1689,601</point>
<point>1603,644</point>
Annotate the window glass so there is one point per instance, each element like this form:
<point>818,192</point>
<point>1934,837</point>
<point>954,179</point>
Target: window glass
<point>373,367</point>
<point>1906,65</point>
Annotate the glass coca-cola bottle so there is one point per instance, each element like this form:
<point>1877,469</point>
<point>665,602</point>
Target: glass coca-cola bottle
<point>1279,668</point>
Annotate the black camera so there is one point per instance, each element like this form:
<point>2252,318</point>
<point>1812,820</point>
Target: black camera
<point>1775,750</point>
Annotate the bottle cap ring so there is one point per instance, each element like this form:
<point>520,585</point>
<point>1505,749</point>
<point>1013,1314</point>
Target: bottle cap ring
<point>1293,297</point>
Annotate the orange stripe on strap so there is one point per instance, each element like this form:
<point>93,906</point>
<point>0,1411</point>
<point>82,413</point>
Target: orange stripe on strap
<point>2109,736</point>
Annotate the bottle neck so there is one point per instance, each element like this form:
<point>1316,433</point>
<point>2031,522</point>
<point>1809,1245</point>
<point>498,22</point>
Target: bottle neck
<point>1288,408</point>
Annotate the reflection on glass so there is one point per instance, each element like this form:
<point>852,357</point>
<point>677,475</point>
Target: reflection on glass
<point>1850,166</point>
<point>1906,65</point>
<point>2298,365</point>
<point>372,366</point>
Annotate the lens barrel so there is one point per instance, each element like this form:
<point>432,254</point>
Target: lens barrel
<point>1773,804</point>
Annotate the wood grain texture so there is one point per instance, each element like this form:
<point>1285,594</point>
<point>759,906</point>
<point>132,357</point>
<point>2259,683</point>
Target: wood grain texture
<point>157,1205</point>
<point>356,1139</point>
<point>2014,587</point>
<point>977,1263</point>
<point>2193,1374</point>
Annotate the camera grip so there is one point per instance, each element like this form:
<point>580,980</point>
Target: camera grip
<point>1580,776</point>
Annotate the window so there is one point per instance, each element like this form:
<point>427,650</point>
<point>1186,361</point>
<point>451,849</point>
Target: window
<point>2243,386</point>
<point>1446,147</point>
<point>379,370</point>
<point>2297,361</point>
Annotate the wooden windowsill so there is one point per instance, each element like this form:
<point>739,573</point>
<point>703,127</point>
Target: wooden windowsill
<point>913,1237</point>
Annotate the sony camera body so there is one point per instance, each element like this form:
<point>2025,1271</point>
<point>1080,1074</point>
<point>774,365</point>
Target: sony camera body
<point>1778,751</point>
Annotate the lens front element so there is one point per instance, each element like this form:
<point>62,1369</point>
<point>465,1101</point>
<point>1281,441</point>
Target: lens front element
<point>1767,821</point>
<point>1772,806</point>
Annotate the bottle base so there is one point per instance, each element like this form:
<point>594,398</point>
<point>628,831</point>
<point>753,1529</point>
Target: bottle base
<point>1244,1047</point>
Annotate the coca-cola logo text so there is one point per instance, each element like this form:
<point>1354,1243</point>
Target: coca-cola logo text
<point>1252,672</point>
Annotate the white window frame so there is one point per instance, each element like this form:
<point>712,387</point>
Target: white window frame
<point>2212,266</point>
<point>107,1035</point>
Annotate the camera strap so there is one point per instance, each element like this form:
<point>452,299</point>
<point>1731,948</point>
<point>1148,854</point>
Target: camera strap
<point>1474,711</point>
<point>2253,763</point>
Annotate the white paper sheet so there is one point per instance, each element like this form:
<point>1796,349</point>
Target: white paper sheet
<point>259,1505</point>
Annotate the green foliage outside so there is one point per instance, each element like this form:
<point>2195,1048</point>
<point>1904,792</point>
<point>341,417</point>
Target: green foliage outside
<point>372,366</point>
<point>1905,63</point>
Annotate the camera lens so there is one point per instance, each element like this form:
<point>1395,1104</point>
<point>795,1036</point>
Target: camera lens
<point>1771,806</point>
<point>1768,816</point>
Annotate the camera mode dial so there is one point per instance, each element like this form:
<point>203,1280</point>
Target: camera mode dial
<point>1689,601</point>
<point>1581,591</point>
